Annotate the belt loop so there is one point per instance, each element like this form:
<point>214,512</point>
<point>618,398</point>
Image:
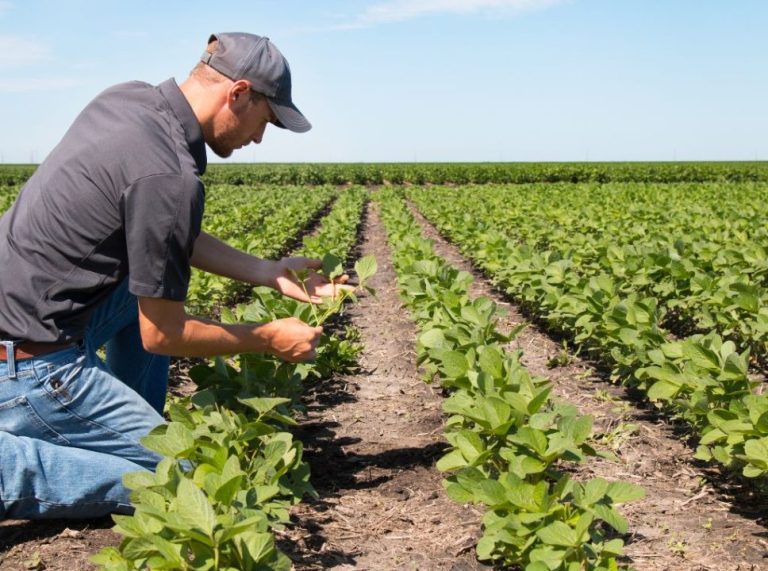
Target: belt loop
<point>10,357</point>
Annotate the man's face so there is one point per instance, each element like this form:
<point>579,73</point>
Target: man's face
<point>240,123</point>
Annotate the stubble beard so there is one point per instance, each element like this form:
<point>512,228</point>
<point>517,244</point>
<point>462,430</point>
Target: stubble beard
<point>223,142</point>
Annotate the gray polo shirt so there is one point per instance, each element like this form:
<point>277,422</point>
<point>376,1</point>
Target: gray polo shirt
<point>119,197</point>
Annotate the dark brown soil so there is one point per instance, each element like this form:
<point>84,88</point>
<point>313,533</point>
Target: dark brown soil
<point>373,439</point>
<point>693,518</point>
<point>54,546</point>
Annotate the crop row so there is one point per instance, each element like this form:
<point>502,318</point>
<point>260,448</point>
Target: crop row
<point>230,469</point>
<point>701,378</point>
<point>15,174</point>
<point>460,173</point>
<point>701,256</point>
<point>510,442</point>
<point>7,196</point>
<point>481,173</point>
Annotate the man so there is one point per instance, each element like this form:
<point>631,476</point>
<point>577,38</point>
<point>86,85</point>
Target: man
<point>96,251</point>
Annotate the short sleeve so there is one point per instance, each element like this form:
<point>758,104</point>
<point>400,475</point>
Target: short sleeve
<point>162,215</point>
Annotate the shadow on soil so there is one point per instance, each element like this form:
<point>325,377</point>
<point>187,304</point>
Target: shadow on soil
<point>333,473</point>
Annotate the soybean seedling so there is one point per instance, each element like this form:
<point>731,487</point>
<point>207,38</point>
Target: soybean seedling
<point>332,268</point>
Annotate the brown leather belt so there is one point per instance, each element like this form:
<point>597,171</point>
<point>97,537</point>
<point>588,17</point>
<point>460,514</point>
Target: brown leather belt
<point>29,349</point>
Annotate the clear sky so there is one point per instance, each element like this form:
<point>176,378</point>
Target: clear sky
<point>422,80</point>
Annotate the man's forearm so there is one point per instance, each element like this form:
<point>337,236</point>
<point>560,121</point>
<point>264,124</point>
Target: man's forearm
<point>216,257</point>
<point>166,329</point>
<point>197,337</point>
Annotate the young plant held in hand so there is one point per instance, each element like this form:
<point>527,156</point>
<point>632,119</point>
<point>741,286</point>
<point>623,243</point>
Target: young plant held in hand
<point>333,269</point>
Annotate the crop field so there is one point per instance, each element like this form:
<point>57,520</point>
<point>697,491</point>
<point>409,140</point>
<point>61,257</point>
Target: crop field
<point>545,367</point>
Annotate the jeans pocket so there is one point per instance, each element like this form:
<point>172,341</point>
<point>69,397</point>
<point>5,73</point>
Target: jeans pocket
<point>19,417</point>
<point>62,381</point>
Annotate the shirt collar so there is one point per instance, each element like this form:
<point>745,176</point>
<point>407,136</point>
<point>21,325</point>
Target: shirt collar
<point>183,111</point>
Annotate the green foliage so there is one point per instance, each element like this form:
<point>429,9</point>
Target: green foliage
<point>226,479</point>
<point>615,267</point>
<point>230,469</point>
<point>484,173</point>
<point>508,441</point>
<point>7,196</point>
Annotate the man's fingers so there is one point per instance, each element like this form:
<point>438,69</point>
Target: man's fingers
<point>297,263</point>
<point>341,279</point>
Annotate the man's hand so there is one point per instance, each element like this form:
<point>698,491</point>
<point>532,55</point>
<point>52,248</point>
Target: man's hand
<point>292,340</point>
<point>317,285</point>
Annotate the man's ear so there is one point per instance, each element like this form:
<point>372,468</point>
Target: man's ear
<point>238,92</point>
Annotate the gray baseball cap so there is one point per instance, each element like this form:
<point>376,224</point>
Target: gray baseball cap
<point>255,58</point>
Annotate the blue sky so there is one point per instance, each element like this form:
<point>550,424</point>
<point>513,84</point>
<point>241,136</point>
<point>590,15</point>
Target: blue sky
<point>422,80</point>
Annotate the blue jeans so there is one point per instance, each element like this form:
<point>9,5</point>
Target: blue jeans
<point>70,423</point>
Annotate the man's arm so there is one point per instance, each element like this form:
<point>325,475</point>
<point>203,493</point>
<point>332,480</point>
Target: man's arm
<point>214,256</point>
<point>166,329</point>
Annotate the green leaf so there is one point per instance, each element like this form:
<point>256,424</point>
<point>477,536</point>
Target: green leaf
<point>332,266</point>
<point>145,547</point>
<point>704,357</point>
<point>433,339</point>
<point>491,493</point>
<point>622,492</point>
<point>470,444</point>
<point>756,451</point>
<point>263,405</point>
<point>260,546</point>
<point>365,268</point>
<point>180,414</point>
<point>194,508</point>
<point>714,435</point>
<point>550,556</point>
<point>257,522</point>
<point>491,361</point>
<point>611,517</point>
<point>751,471</point>
<point>228,490</point>
<point>614,547</point>
<point>534,439</point>
<point>110,559</point>
<point>672,350</point>
<point>662,391</point>
<point>486,547</point>
<point>451,461</point>
<point>579,428</point>
<point>227,316</point>
<point>762,423</point>
<point>136,480</point>
<point>458,493</point>
<point>453,364</point>
<point>176,442</point>
<point>524,497</point>
<point>497,413</point>
<point>595,490</point>
<point>470,314</point>
<point>558,533</point>
<point>538,401</point>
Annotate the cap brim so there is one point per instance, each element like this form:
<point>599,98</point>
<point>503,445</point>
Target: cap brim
<point>289,117</point>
